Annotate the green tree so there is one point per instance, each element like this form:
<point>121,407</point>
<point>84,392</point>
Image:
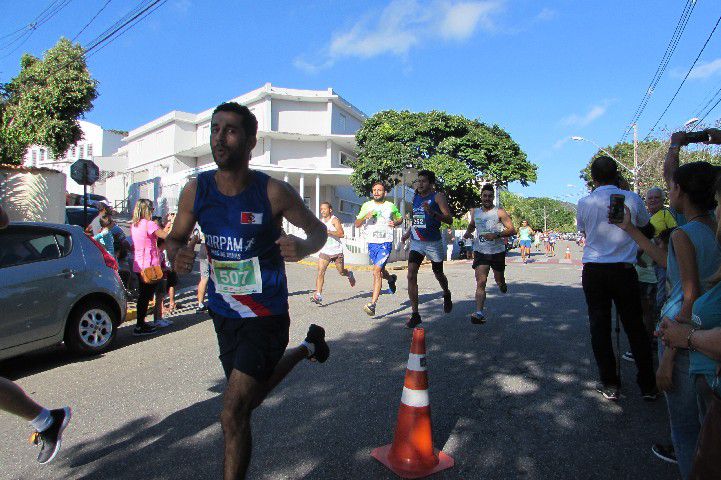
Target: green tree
<point>463,154</point>
<point>42,104</point>
<point>651,154</point>
<point>540,212</point>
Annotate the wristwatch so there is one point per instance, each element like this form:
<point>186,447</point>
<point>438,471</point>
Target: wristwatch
<point>688,340</point>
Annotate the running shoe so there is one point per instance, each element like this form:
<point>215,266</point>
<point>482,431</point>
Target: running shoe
<point>628,356</point>
<point>664,452</point>
<point>316,336</point>
<point>414,321</point>
<point>478,318</point>
<point>609,392</point>
<point>392,283</point>
<point>370,309</point>
<point>162,323</point>
<point>202,307</point>
<point>650,396</point>
<point>316,298</point>
<point>351,278</point>
<point>503,288</point>
<point>50,439</point>
<point>144,329</point>
<point>447,302</point>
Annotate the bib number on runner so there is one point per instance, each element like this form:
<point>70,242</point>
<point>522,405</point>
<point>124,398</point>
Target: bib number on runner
<point>419,220</point>
<point>240,277</point>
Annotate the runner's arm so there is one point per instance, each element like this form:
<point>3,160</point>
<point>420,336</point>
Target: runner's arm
<point>688,272</point>
<point>363,215</point>
<point>286,202</point>
<point>184,220</point>
<point>395,213</point>
<point>339,233</point>
<point>505,219</point>
<point>445,215</point>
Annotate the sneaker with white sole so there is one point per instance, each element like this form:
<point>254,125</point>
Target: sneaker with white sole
<point>370,309</point>
<point>50,439</point>
<point>664,452</point>
<point>316,298</point>
<point>478,318</point>
<point>628,356</point>
<point>316,336</point>
<point>609,392</point>
<point>144,329</point>
<point>351,278</point>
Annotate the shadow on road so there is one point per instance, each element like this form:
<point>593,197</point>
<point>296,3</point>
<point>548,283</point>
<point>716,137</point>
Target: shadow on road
<point>510,399</point>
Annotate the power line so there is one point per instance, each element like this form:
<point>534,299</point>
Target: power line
<point>670,49</point>
<point>684,78</point>
<point>90,21</point>
<point>46,15</point>
<point>150,10</point>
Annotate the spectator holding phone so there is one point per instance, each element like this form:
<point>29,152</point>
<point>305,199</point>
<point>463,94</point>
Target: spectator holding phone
<point>609,277</point>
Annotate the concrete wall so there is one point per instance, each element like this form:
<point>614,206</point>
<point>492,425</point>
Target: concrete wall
<point>33,195</point>
<point>299,117</point>
<point>343,122</point>
<point>288,153</point>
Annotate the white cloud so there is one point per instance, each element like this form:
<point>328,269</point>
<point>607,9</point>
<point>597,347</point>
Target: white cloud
<point>182,5</point>
<point>583,120</point>
<point>706,69</point>
<point>560,142</point>
<point>546,14</point>
<point>403,25</point>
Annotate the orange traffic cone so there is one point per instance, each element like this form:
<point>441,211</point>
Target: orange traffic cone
<point>411,455</point>
<point>568,253</point>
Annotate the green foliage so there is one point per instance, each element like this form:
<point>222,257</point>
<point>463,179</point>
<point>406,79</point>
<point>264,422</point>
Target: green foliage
<point>651,154</point>
<point>463,154</point>
<point>42,104</point>
<point>459,223</point>
<point>559,216</point>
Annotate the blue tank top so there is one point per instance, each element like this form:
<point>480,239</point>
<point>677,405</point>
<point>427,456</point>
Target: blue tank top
<point>247,272</point>
<point>708,259</point>
<point>424,226</point>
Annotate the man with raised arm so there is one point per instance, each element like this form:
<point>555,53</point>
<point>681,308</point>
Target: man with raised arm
<point>240,213</point>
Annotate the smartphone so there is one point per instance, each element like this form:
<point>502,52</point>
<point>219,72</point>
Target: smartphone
<point>697,137</point>
<point>617,211</point>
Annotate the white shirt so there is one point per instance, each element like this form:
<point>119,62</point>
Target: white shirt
<point>605,242</point>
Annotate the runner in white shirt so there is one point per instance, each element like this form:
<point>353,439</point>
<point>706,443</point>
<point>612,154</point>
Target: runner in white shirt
<point>332,251</point>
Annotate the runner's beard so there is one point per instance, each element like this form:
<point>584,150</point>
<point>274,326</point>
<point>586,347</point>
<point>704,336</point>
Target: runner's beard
<point>235,160</point>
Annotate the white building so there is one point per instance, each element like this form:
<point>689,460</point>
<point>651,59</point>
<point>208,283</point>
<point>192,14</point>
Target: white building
<point>97,144</point>
<point>305,137</point>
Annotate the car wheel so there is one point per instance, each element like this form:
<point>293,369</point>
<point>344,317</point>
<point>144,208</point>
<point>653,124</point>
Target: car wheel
<point>91,328</point>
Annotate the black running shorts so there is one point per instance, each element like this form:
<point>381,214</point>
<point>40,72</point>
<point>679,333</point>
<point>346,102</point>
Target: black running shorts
<point>253,346</point>
<point>497,261</point>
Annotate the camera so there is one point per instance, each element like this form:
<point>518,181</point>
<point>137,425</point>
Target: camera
<point>696,137</point>
<point>616,208</point>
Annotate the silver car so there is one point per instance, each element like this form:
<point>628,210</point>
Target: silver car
<point>57,285</point>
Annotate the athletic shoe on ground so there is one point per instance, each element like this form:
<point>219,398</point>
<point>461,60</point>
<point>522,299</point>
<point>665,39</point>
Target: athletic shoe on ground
<point>162,323</point>
<point>50,440</point>
<point>316,298</point>
<point>664,452</point>
<point>351,278</point>
<point>145,329</point>
<point>609,392</point>
<point>650,396</point>
<point>628,356</point>
<point>503,288</point>
<point>414,321</point>
<point>202,307</point>
<point>478,318</point>
<point>392,283</point>
<point>316,336</point>
<point>370,309</point>
<point>447,302</point>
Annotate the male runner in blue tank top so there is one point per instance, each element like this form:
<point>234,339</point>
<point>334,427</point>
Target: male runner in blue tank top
<point>240,213</point>
<point>430,208</point>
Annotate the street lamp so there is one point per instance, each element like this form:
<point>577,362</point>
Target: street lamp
<point>633,171</point>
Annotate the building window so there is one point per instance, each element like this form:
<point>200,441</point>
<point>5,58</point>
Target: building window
<point>42,154</point>
<point>81,149</point>
<point>342,121</point>
<point>34,157</point>
<point>73,151</point>
<point>349,208</point>
<point>344,159</point>
<point>90,150</point>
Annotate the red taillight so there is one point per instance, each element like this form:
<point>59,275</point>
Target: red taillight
<point>109,259</point>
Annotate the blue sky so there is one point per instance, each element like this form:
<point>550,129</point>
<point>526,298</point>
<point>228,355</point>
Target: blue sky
<point>543,70</point>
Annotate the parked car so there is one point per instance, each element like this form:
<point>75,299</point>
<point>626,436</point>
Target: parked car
<point>73,199</point>
<point>76,216</point>
<point>57,285</point>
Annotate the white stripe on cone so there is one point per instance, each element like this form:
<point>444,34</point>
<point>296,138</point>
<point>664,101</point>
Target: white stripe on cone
<point>416,362</point>
<point>415,398</point>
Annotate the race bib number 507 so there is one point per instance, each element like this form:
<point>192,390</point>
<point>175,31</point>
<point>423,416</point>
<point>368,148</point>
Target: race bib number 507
<point>240,277</point>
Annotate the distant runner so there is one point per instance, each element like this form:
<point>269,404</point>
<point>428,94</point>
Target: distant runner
<point>524,237</point>
<point>430,208</point>
<point>379,217</point>
<point>240,213</point>
<point>552,239</point>
<point>332,251</point>
<point>492,224</point>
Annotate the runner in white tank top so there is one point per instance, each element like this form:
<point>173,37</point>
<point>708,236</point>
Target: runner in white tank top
<point>332,251</point>
<point>491,224</point>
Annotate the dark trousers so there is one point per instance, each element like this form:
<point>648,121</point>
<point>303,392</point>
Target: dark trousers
<point>146,291</point>
<point>617,283</point>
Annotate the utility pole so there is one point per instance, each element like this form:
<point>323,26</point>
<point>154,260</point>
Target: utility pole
<point>635,158</point>
<point>545,227</point>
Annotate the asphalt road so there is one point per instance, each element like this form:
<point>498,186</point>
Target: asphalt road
<point>513,398</point>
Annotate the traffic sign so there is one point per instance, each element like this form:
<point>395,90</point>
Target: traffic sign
<point>85,172</point>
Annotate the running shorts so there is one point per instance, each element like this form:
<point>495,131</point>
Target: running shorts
<point>379,253</point>
<point>497,261</point>
<point>252,345</point>
<point>434,250</point>
<point>525,243</point>
<point>331,258</point>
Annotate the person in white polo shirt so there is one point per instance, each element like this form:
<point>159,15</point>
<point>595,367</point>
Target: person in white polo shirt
<point>609,277</point>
